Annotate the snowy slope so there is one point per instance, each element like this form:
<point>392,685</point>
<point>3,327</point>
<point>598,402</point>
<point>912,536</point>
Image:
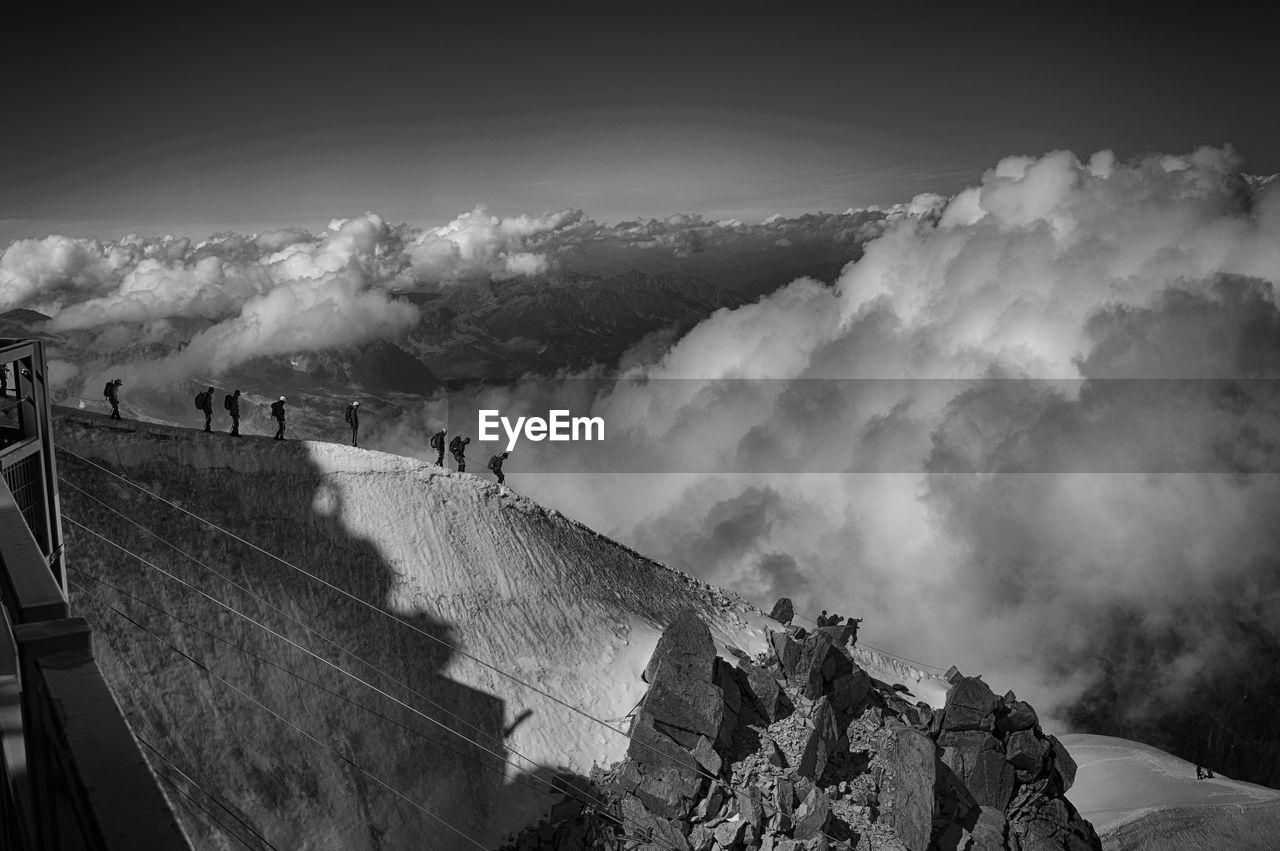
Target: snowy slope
<point>1138,796</point>
<point>540,596</point>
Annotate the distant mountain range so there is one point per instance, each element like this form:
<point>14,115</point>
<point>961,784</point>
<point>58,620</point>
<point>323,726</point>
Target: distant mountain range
<point>497,332</point>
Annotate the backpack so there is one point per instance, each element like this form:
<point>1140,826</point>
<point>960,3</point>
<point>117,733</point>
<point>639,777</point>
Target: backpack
<point>277,409</point>
<point>437,440</point>
<point>495,463</point>
<point>227,401</point>
<point>200,401</point>
<point>106,391</point>
<point>455,445</point>
<point>348,415</point>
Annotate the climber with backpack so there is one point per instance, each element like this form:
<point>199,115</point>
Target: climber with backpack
<point>458,446</point>
<point>204,402</point>
<point>353,420</point>
<point>277,411</point>
<point>495,466</point>
<point>231,402</point>
<point>112,392</point>
<point>437,443</point>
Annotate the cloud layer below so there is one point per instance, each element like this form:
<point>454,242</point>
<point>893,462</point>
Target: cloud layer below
<point>1054,270</point>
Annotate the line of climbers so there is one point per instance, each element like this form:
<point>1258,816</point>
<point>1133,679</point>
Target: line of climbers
<point>458,449</point>
<point>231,404</point>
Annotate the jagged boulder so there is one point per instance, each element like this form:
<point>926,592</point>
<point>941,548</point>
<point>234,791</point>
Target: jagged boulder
<point>751,807</point>
<point>1026,752</point>
<point>787,650</point>
<point>684,710</point>
<point>979,761</point>
<point>784,807</point>
<point>909,793</point>
<point>1064,767</point>
<point>712,806</point>
<point>730,832</point>
<point>849,691</point>
<point>1013,715</point>
<point>970,706</point>
<point>1050,824</point>
<point>662,833</point>
<point>663,776</point>
<point>702,838</point>
<point>707,757</point>
<point>813,816</point>
<point>783,611</point>
<point>835,633</point>
<point>807,675</point>
<point>822,736</point>
<point>987,831</point>
<point>680,714</point>
<point>770,699</point>
<point>685,648</point>
<point>726,681</point>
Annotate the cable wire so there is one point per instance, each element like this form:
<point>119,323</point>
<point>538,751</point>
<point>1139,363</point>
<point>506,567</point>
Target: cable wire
<point>271,632</point>
<point>246,651</point>
<point>332,643</point>
<point>280,717</point>
<point>206,793</point>
<point>584,797</point>
<point>228,831</point>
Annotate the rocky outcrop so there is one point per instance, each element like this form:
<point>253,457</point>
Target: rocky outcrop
<point>801,750</point>
<point>909,793</point>
<point>996,760</point>
<point>783,612</point>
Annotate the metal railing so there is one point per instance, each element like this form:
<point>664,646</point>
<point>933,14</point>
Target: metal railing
<point>73,775</point>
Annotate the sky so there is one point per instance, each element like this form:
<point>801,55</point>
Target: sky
<point>240,118</point>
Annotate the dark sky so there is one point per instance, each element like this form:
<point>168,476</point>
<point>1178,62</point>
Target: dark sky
<point>238,117</point>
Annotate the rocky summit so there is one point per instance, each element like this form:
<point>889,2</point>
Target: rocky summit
<point>800,748</point>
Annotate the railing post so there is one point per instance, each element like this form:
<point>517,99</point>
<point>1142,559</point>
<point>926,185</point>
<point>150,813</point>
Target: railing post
<point>36,643</point>
<point>92,786</point>
<point>15,797</point>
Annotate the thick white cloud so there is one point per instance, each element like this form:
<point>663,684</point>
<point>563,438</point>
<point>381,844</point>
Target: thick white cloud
<point>1160,267</point>
<point>277,293</point>
<point>481,245</point>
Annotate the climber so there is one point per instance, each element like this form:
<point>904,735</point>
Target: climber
<point>822,618</point>
<point>495,466</point>
<point>353,420</point>
<point>277,411</point>
<point>231,402</point>
<point>458,446</point>
<point>437,443</point>
<point>112,392</point>
<point>204,402</point>
<point>850,636</point>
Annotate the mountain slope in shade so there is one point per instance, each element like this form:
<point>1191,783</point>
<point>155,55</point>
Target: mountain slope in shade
<point>455,557</point>
<point>1140,798</point>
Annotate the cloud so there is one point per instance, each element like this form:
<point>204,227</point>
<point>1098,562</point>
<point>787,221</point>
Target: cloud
<point>481,245</point>
<point>276,293</point>
<point>161,309</point>
<point>1023,326</point>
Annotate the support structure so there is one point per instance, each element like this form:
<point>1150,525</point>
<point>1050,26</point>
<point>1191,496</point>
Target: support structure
<point>71,771</point>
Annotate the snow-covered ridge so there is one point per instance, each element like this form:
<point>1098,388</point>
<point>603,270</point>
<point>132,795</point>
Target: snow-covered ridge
<point>541,597</point>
